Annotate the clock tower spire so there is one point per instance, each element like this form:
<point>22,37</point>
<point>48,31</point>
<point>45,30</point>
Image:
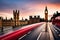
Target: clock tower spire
<point>46,14</point>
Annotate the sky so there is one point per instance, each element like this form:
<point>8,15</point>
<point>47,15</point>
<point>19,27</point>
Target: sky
<point>28,7</point>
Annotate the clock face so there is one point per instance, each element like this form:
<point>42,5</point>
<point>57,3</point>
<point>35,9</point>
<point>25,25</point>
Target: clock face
<point>46,12</point>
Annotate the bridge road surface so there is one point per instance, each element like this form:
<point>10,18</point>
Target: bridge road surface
<point>40,33</point>
<point>20,32</point>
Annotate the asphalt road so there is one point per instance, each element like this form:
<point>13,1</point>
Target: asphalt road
<point>47,31</point>
<point>40,33</point>
<point>33,34</point>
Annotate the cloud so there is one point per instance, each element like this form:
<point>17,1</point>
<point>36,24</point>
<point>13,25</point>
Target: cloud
<point>55,1</point>
<point>16,4</point>
<point>27,7</point>
<point>5,4</point>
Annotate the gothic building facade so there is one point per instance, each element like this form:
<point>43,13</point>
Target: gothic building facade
<point>16,17</point>
<point>16,22</point>
<point>46,14</point>
<point>12,21</point>
<point>35,19</point>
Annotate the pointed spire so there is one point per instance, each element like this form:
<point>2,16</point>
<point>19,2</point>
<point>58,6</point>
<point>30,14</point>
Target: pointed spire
<point>56,11</point>
<point>22,19</point>
<point>11,18</point>
<point>18,11</point>
<point>46,8</point>
<point>38,16</point>
<point>6,18</point>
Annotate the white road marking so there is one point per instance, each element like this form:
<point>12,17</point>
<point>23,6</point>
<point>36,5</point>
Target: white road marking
<point>24,36</point>
<point>41,31</point>
<point>39,36</point>
<point>50,33</point>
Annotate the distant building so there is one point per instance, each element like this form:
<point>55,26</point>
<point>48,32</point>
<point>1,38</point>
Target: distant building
<point>16,22</point>
<point>23,22</point>
<point>34,19</point>
<point>16,17</point>
<point>1,22</point>
<point>46,14</point>
<point>13,21</point>
<point>7,22</point>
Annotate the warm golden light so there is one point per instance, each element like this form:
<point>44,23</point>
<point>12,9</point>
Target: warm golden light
<point>33,9</point>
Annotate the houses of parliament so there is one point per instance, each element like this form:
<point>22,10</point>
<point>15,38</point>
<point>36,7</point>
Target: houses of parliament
<point>16,22</point>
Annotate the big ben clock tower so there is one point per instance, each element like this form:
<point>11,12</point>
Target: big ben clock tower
<point>46,14</point>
